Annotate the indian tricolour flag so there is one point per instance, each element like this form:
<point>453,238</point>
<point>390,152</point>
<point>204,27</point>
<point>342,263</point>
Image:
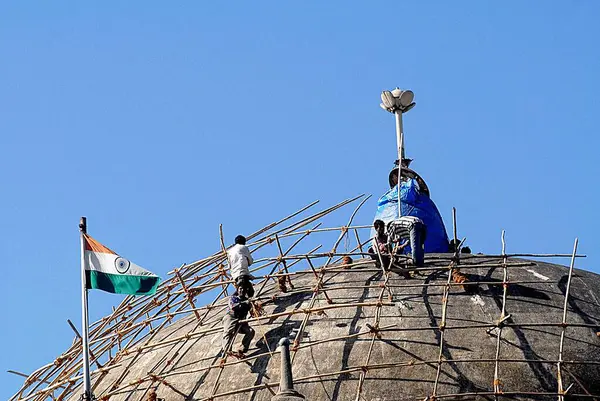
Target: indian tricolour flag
<point>107,271</point>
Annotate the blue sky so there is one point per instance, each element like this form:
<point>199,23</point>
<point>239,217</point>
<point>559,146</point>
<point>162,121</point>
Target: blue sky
<point>159,122</point>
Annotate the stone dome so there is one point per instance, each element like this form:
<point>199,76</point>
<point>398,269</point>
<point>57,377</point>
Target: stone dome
<point>359,332</point>
<point>383,342</point>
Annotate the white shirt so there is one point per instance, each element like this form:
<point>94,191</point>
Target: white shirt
<point>239,258</point>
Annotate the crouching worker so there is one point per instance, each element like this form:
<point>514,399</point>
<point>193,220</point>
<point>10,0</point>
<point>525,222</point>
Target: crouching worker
<point>381,242</point>
<point>239,307</point>
<point>409,230</point>
<point>239,259</point>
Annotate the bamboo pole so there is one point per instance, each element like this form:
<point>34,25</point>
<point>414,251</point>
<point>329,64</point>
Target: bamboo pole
<point>579,383</point>
<point>516,255</point>
<point>496,383</point>
<point>319,277</point>
<point>442,327</point>
<point>561,390</point>
<point>222,272</point>
<point>285,267</point>
<point>188,294</point>
<point>359,244</point>
<point>429,285</point>
<point>26,376</point>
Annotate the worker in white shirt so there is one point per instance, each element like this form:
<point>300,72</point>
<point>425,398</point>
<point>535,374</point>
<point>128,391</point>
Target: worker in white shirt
<point>239,259</point>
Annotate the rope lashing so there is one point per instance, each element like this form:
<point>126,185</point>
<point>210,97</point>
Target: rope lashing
<point>375,330</point>
<point>256,309</point>
<point>459,278</point>
<point>170,361</point>
<point>497,383</point>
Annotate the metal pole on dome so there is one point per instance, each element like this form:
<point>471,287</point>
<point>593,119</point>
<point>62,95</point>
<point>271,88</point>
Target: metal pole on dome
<point>398,102</point>
<point>400,142</point>
<point>87,392</point>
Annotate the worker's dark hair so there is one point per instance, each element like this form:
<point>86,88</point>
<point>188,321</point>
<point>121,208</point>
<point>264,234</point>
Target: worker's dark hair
<point>378,223</point>
<point>240,239</point>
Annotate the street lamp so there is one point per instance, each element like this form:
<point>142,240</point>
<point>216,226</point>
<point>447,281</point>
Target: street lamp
<point>398,102</point>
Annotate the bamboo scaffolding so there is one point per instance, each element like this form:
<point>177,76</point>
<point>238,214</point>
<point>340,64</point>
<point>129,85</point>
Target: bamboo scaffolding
<point>193,267</point>
<point>391,365</point>
<point>130,330</point>
<point>315,230</point>
<point>315,295</point>
<point>374,331</point>
<point>484,325</point>
<point>279,260</point>
<point>139,352</point>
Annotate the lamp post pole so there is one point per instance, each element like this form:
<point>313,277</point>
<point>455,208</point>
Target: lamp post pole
<point>398,102</point>
<point>400,143</point>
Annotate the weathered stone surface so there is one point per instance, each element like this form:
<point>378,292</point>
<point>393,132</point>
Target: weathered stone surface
<point>418,311</point>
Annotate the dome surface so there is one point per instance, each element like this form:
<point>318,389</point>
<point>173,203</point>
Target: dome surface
<point>341,355</point>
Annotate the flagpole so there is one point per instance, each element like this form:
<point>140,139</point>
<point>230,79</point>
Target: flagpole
<point>87,393</point>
